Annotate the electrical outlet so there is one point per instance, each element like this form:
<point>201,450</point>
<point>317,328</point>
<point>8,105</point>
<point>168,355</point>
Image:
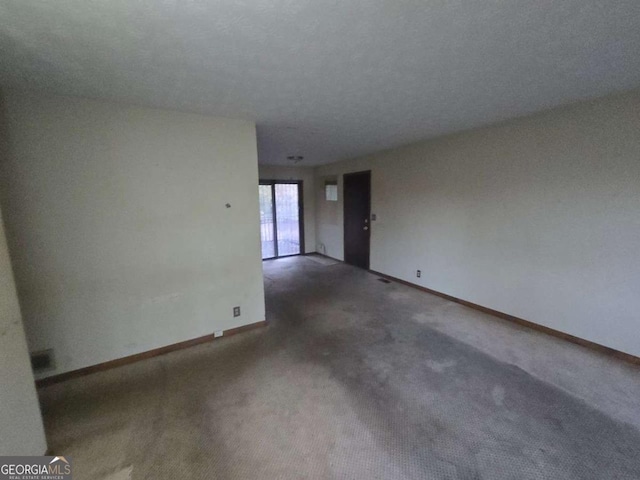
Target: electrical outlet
<point>418,273</point>
<point>236,311</point>
<point>218,333</point>
<point>43,361</point>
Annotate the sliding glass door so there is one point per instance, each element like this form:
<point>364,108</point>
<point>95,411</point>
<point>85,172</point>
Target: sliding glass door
<point>281,230</point>
<point>267,230</point>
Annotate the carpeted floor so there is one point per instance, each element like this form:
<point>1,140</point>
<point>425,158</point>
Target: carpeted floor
<point>356,379</point>
<point>322,260</point>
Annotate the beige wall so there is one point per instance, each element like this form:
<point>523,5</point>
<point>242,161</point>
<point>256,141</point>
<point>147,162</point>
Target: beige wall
<point>538,217</point>
<point>275,172</point>
<point>21,431</point>
<point>117,225</point>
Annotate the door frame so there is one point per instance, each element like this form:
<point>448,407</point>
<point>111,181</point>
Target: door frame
<point>273,183</point>
<point>344,215</point>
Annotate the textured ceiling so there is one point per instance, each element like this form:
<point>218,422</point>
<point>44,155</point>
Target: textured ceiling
<point>327,79</point>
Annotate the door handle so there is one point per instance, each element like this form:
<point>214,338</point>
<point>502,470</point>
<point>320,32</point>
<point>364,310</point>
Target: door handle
<point>366,228</point>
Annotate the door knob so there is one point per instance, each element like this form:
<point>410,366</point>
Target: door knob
<point>366,228</point>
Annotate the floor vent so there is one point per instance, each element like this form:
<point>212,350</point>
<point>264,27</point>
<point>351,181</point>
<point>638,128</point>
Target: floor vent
<point>42,361</point>
<point>383,280</point>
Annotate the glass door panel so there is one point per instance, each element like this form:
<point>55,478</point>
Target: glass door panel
<point>267,226</point>
<point>287,219</point>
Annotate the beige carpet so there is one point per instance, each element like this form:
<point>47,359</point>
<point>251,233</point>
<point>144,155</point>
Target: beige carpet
<point>322,260</point>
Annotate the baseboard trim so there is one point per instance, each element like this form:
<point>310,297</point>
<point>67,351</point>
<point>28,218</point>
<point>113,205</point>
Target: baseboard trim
<point>627,357</point>
<point>118,362</point>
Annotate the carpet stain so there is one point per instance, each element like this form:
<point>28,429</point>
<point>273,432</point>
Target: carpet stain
<point>497,393</point>
<point>440,367</point>
<point>398,295</point>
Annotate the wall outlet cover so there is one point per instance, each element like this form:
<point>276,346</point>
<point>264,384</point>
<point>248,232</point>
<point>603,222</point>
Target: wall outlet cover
<point>43,361</point>
<point>236,311</point>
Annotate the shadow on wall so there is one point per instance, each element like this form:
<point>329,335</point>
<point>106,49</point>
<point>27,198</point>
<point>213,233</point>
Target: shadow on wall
<point>6,206</point>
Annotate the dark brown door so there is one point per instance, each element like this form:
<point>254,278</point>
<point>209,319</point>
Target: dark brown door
<point>357,213</point>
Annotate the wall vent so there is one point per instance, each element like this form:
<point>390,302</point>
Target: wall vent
<point>42,361</point>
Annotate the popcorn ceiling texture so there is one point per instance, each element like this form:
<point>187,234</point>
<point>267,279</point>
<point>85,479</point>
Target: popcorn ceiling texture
<point>327,80</point>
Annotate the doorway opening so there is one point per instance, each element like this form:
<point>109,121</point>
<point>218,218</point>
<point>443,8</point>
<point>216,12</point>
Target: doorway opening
<point>281,218</point>
<point>357,216</point>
